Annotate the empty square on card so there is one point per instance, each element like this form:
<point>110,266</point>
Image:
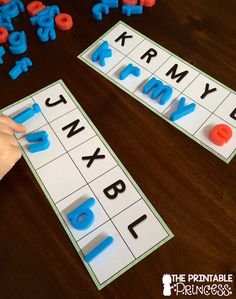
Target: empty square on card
<point>61,177</point>
<point>154,103</point>
<point>131,82</point>
<point>110,62</point>
<point>31,124</point>
<point>113,258</point>
<point>41,158</point>
<point>227,110</point>
<point>74,200</point>
<point>203,135</point>
<point>92,158</point>
<point>176,73</point>
<point>114,191</point>
<point>123,39</point>
<point>206,92</point>
<point>139,221</point>
<point>54,102</point>
<point>192,121</point>
<point>149,56</point>
<point>72,129</point>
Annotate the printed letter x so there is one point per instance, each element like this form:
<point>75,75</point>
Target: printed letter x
<point>93,157</point>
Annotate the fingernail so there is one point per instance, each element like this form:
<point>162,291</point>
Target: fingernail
<point>23,127</point>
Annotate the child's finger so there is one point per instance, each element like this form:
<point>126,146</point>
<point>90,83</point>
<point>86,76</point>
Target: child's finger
<point>6,129</point>
<point>13,125</point>
<point>13,156</point>
<point>14,142</point>
<point>16,154</point>
<point>9,140</point>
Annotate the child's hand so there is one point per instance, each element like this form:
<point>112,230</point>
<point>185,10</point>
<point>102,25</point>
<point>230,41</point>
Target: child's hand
<point>10,152</point>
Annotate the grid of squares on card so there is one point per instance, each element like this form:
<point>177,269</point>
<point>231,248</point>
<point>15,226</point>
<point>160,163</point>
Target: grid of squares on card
<point>80,165</point>
<point>213,102</point>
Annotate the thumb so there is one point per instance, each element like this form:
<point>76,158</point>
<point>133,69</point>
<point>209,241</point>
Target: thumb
<point>18,128</point>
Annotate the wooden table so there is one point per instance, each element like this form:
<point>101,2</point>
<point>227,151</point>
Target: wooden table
<point>193,190</point>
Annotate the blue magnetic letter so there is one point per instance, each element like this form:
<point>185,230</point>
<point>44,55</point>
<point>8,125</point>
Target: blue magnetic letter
<point>182,110</point>
<point>18,42</point>
<point>101,53</point>
<point>129,10</point>
<point>5,21</point>
<point>21,66</point>
<point>82,217</point>
<point>2,52</point>
<point>27,114</point>
<point>41,139</point>
<point>98,249</point>
<point>129,69</point>
<point>159,89</point>
<point>98,9</point>
<point>111,3</point>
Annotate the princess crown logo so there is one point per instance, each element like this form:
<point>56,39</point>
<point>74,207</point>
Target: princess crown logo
<point>166,280</point>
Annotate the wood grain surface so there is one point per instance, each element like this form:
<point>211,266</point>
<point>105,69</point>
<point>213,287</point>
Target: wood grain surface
<point>194,191</point>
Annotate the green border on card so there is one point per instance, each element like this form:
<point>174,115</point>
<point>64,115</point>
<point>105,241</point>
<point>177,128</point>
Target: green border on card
<point>80,56</point>
<point>53,205</point>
